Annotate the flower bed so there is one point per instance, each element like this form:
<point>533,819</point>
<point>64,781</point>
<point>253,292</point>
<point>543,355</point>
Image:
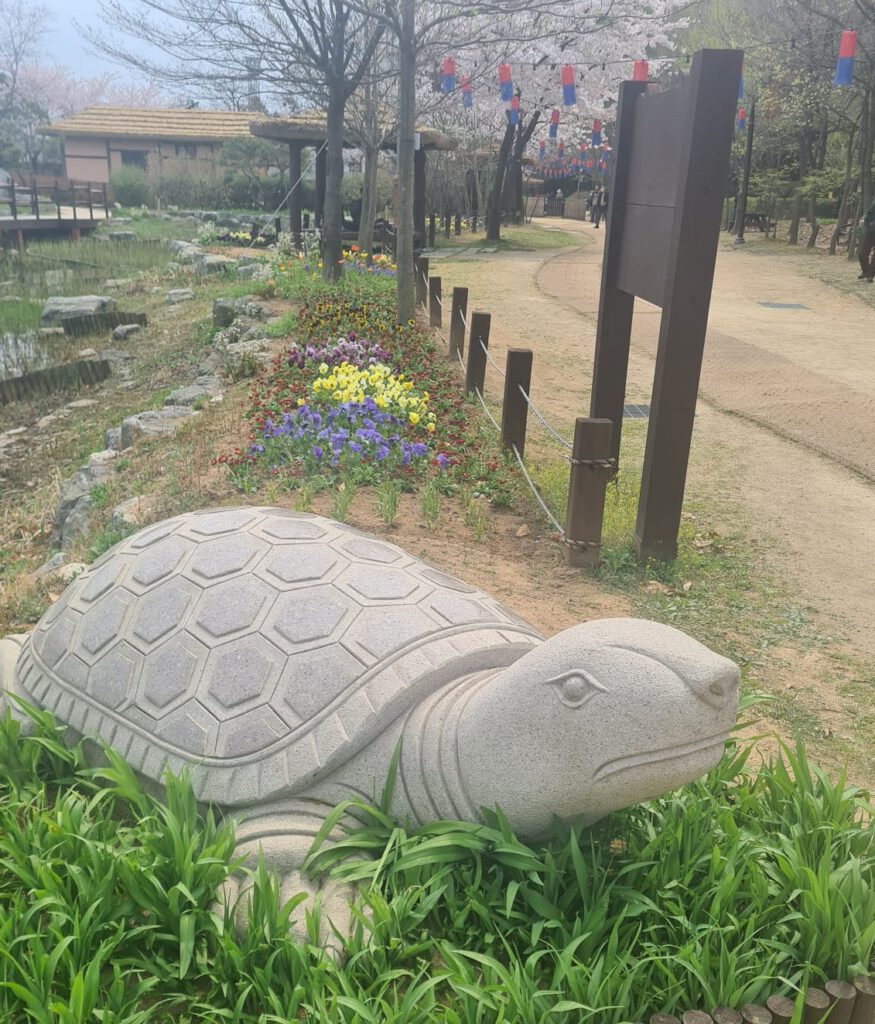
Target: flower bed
<point>358,397</point>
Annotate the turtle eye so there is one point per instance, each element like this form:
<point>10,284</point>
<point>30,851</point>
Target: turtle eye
<point>574,689</point>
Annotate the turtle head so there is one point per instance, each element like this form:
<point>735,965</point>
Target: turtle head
<point>599,717</point>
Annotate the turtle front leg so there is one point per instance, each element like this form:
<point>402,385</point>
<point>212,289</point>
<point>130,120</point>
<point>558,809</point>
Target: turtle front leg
<point>282,839</point>
<point>10,648</point>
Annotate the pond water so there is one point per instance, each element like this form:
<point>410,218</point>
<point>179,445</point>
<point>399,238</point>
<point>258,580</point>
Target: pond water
<point>61,268</point>
<point>24,353</point>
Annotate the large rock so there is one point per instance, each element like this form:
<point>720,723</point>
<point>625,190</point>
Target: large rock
<point>123,236</point>
<point>209,263</point>
<point>177,295</point>
<point>223,312</point>
<point>124,331</point>
<point>154,423</point>
<point>184,252</point>
<point>191,395</point>
<point>59,306</point>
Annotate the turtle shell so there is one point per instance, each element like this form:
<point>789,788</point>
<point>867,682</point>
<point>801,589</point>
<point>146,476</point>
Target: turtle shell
<point>258,647</point>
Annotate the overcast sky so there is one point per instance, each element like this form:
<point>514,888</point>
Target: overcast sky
<point>64,44</point>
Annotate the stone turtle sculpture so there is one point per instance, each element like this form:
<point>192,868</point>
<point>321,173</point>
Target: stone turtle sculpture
<point>281,658</point>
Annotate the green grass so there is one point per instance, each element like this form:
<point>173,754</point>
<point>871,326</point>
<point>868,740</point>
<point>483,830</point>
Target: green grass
<point>743,884</point>
<point>514,238</point>
<point>19,315</point>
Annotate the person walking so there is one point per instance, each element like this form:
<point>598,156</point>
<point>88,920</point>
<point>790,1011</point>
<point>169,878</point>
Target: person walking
<point>867,245</point>
<point>603,199</point>
<point>597,208</point>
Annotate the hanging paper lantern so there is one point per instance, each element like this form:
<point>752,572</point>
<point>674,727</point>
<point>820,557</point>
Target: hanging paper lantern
<point>741,120</point>
<point>845,65</point>
<point>596,133</point>
<point>554,124</point>
<point>448,74</point>
<point>640,71</point>
<point>569,92</point>
<point>542,149</point>
<point>515,110</point>
<point>561,150</point>
<point>505,82</point>
<point>467,92</point>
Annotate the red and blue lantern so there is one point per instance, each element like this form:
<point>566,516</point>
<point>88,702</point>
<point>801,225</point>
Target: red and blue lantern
<point>741,120</point>
<point>505,82</point>
<point>845,65</point>
<point>542,150</point>
<point>467,93</point>
<point>640,71</point>
<point>569,91</point>
<point>514,114</point>
<point>596,133</point>
<point>554,124</point>
<point>448,74</point>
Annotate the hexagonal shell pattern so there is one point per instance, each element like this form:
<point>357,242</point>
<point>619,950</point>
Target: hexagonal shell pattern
<point>260,647</point>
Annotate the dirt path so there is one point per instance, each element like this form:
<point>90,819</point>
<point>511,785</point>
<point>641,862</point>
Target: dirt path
<point>785,430</point>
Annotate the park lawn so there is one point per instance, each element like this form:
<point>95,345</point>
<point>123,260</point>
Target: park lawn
<point>514,238</point>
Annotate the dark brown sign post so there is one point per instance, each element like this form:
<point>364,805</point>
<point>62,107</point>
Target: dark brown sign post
<point>671,156</point>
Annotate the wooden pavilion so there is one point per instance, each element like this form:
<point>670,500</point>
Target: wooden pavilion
<point>309,130</point>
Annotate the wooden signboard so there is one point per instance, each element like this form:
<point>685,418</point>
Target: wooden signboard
<point>671,157</point>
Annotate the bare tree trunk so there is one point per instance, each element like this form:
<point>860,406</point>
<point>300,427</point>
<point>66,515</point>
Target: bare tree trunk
<point>842,219</point>
<point>493,213</point>
<point>406,142</point>
<point>795,218</point>
<point>369,201</point>
<point>812,220</point>
<point>332,243</point>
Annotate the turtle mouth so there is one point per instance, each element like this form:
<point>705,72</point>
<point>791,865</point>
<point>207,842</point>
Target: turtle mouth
<point>649,757</point>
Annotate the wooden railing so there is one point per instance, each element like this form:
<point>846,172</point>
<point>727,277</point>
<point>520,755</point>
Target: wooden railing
<point>70,201</point>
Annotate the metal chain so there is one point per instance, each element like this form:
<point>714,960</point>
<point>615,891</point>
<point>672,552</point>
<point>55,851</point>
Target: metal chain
<point>555,522</point>
<point>486,409</point>
<point>543,421</point>
<point>595,463</point>
<point>489,358</point>
<point>581,545</point>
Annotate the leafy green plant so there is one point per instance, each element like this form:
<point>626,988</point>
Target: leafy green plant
<point>342,498</point>
<point>430,501</point>
<point>130,186</point>
<point>751,881</point>
<point>388,494</point>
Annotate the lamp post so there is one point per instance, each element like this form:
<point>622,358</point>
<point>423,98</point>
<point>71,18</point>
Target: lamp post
<point>742,199</point>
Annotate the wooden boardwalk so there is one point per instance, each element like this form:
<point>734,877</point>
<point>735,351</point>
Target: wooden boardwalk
<point>66,209</point>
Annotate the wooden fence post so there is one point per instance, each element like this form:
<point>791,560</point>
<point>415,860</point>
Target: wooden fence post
<point>458,224</point>
<point>431,229</point>
<point>842,995</point>
<point>781,1008</point>
<point>473,222</point>
<point>591,468</point>
<point>420,272</point>
<point>864,1004</point>
<point>457,321</point>
<point>478,342</point>
<point>434,302</point>
<point>515,409</point>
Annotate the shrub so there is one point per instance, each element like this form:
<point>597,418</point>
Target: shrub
<point>130,186</point>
